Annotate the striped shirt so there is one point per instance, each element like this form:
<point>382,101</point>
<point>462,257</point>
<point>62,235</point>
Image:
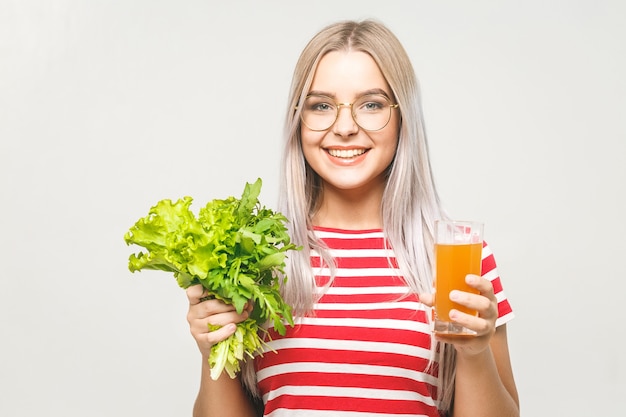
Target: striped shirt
<point>364,351</point>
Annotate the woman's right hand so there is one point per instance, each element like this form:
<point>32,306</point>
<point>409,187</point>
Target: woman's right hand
<point>212,311</point>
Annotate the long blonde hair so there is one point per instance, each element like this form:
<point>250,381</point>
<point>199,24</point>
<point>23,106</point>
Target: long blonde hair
<point>410,203</point>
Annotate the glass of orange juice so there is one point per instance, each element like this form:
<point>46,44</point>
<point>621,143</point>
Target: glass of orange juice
<point>458,252</point>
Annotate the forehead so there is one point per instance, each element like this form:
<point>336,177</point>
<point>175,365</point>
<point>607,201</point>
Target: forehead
<point>345,75</point>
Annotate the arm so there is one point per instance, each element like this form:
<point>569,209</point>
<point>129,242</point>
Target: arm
<point>224,397</point>
<point>484,381</point>
<point>484,384</point>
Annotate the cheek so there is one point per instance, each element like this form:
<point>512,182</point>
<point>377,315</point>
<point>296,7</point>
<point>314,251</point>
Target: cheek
<point>390,141</point>
<point>393,149</point>
<point>310,143</point>
<point>395,136</point>
<point>311,140</point>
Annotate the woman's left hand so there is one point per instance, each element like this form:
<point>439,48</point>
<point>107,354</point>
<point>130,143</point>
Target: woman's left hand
<point>484,324</point>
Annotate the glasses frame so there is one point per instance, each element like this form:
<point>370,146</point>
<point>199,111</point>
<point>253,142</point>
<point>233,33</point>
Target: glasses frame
<point>348,105</point>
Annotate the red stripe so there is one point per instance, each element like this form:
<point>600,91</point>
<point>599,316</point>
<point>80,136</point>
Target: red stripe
<point>391,313</point>
<point>497,285</point>
<point>362,281</point>
<point>504,308</point>
<point>360,263</point>
<point>366,263</point>
<point>408,337</point>
<point>354,357</point>
<point>358,243</point>
<point>368,298</point>
<point>317,379</point>
<point>333,379</point>
<point>488,264</point>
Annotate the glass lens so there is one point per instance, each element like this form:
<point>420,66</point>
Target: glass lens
<point>319,112</point>
<point>372,111</point>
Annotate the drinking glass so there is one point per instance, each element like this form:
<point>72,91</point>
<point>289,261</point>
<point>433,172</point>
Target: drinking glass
<point>458,252</point>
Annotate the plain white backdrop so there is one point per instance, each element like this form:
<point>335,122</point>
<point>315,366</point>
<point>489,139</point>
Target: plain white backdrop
<point>109,106</point>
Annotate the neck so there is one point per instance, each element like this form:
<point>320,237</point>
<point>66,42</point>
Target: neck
<point>350,209</point>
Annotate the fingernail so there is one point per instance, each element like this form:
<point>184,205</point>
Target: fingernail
<point>454,295</point>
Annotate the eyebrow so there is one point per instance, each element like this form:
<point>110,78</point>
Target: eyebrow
<point>360,94</point>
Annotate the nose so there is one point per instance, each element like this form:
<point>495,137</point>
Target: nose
<point>345,124</point>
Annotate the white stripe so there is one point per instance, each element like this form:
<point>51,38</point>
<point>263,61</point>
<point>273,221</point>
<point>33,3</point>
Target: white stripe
<point>491,275</point>
<point>366,323</point>
<point>358,253</point>
<point>405,305</point>
<point>486,252</point>
<point>353,345</point>
<point>358,272</point>
<point>343,368</point>
<point>367,393</point>
<point>505,319</point>
<point>363,290</point>
<point>347,235</point>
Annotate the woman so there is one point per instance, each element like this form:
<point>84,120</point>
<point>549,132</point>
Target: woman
<point>358,190</point>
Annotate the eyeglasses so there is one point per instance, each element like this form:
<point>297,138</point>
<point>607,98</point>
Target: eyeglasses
<point>370,111</point>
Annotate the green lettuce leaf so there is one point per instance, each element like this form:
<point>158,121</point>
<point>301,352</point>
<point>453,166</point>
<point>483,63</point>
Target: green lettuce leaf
<point>235,248</point>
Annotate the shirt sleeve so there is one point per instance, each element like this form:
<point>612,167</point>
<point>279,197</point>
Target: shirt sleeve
<point>490,272</point>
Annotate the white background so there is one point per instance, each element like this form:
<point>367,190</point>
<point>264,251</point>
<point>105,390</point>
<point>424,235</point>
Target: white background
<point>109,106</point>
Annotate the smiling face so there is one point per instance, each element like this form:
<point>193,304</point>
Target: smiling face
<point>347,158</point>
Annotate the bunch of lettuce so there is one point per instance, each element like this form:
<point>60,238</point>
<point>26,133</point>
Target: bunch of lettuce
<point>235,248</point>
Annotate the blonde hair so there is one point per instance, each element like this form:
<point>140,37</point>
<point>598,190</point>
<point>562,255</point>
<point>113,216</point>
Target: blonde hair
<point>410,203</point>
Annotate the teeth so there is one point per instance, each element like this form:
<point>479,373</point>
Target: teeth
<point>346,153</point>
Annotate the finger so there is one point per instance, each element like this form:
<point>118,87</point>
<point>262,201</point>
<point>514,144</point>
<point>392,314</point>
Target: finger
<point>473,301</point>
<point>210,308</point>
<point>195,293</point>
<point>249,307</point>
<point>478,324</point>
<point>427,299</point>
<point>231,316</point>
<point>485,309</point>
<point>481,284</point>
<point>220,334</point>
<point>200,326</point>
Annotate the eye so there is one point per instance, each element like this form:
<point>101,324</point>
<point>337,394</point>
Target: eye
<point>319,104</point>
<point>322,107</point>
<point>372,103</point>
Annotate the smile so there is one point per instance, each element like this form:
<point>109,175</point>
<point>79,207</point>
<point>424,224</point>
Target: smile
<point>346,153</point>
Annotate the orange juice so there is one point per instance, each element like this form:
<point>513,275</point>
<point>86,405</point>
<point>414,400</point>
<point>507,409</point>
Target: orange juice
<point>453,263</point>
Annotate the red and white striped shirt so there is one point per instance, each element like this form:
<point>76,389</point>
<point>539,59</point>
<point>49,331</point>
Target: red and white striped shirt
<point>364,351</point>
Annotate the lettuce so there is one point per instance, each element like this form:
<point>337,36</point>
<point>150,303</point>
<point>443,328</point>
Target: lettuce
<point>235,248</point>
